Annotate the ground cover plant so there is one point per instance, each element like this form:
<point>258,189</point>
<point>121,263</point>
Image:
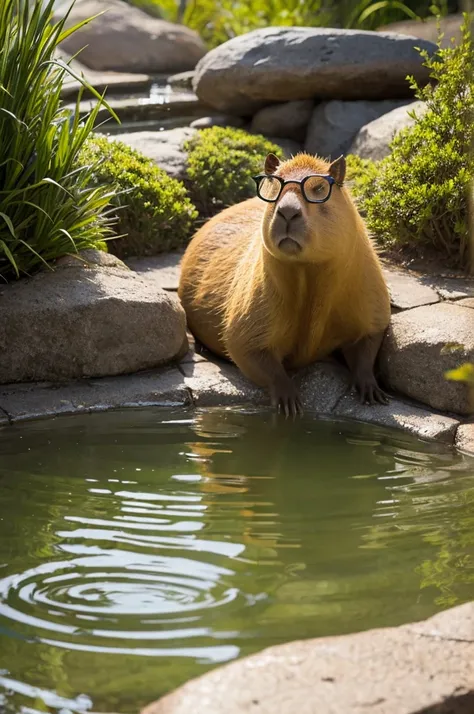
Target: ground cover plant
<point>154,212</point>
<point>221,163</point>
<point>47,206</point>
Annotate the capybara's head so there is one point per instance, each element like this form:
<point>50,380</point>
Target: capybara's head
<point>308,212</point>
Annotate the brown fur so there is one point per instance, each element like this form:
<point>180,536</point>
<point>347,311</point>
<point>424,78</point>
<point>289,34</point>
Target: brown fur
<point>243,296</point>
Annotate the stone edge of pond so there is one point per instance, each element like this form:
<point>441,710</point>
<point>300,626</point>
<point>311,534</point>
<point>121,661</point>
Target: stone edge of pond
<point>197,382</point>
<point>420,668</point>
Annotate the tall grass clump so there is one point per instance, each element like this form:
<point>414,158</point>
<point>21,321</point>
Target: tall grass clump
<point>48,207</point>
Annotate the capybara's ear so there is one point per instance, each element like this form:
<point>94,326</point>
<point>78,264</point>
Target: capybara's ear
<point>272,162</point>
<point>338,170</point>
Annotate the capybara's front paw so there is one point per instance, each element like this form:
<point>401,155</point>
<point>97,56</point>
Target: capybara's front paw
<point>369,390</point>
<point>285,397</point>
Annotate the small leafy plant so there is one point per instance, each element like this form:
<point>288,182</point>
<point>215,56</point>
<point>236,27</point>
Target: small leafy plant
<point>153,211</point>
<point>221,163</point>
<point>47,206</point>
<point>418,196</point>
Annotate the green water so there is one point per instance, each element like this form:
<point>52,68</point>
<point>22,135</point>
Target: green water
<point>141,548</point>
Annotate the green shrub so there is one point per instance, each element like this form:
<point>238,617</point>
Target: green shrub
<point>221,163</point>
<point>47,208</point>
<point>155,213</point>
<point>417,197</point>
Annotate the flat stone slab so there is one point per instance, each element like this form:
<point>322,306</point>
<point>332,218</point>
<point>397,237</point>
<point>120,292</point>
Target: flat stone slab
<point>165,148</point>
<point>408,291</point>
<point>112,82</point>
<point>465,438</point>
<point>398,415</point>
<point>279,64</point>
<point>451,288</point>
<point>467,302</point>
<point>164,387</point>
<point>163,270</point>
<point>414,669</point>
<point>132,109</point>
<point>220,384</point>
<point>421,345</point>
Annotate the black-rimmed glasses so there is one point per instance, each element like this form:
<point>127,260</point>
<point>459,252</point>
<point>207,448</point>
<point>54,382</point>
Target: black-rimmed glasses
<point>316,188</point>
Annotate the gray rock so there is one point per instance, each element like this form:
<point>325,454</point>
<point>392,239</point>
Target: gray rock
<point>288,147</point>
<point>321,386</point>
<point>421,345</point>
<point>161,388</point>
<point>218,120</point>
<point>220,384</point>
<point>86,322</point>
<point>288,120</point>
<point>407,290</point>
<point>163,270</point>
<point>405,670</point>
<point>160,109</point>
<point>165,148</point>
<point>126,39</point>
<point>450,27</point>
<point>88,258</point>
<point>334,124</point>
<point>279,64</point>
<point>452,288</point>
<point>398,415</point>
<point>465,438</point>
<point>374,139</point>
<point>182,80</point>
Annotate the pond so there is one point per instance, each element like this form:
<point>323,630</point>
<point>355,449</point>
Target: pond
<point>141,548</point>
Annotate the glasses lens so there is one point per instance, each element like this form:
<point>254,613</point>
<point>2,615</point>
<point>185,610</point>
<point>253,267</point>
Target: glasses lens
<point>316,188</point>
<point>269,188</point>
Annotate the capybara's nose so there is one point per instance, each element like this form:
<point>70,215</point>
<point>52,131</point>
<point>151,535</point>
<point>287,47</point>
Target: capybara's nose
<point>289,208</point>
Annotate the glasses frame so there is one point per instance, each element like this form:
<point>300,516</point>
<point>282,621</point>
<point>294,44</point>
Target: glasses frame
<point>330,179</point>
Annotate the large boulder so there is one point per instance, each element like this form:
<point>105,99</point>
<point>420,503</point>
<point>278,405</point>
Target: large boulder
<point>126,39</point>
<point>422,668</point>
<point>288,120</point>
<point>449,26</point>
<point>86,320</point>
<point>334,124</point>
<point>279,64</point>
<point>421,346</point>
<point>374,139</point>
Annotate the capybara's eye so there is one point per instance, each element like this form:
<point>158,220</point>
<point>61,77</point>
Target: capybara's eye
<point>269,188</point>
<point>316,188</point>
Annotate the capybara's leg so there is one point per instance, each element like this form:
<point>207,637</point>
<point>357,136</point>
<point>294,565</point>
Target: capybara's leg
<point>264,369</point>
<point>360,358</point>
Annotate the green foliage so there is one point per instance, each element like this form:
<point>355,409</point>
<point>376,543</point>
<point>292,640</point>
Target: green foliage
<point>417,197</point>
<point>221,164</point>
<point>219,20</point>
<point>47,208</point>
<point>155,213</point>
